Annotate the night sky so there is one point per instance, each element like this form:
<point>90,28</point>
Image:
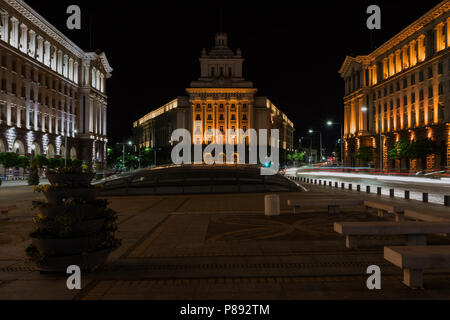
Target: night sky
<point>292,52</point>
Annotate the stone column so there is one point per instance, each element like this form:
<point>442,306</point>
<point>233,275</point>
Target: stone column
<point>104,120</point>
<point>46,55</point>
<point>32,44</point>
<point>4,33</point>
<point>14,39</point>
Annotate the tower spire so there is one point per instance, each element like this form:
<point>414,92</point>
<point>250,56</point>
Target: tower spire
<point>220,19</point>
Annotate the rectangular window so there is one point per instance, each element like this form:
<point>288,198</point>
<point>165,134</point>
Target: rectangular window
<point>430,72</point>
<point>420,76</point>
<point>413,79</point>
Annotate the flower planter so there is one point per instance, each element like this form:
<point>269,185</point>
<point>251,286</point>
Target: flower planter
<point>87,261</point>
<point>67,246</point>
<point>89,211</point>
<point>55,196</point>
<point>87,227</point>
<point>73,228</point>
<point>75,180</point>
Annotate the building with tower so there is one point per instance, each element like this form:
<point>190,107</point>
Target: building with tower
<point>219,99</point>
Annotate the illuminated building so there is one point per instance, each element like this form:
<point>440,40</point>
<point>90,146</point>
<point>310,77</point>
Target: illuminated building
<point>401,89</point>
<point>50,89</point>
<point>220,99</point>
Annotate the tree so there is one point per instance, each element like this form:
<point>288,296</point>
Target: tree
<point>298,156</point>
<point>40,160</point>
<point>131,161</point>
<point>400,150</point>
<point>421,148</point>
<point>365,154</point>
<point>53,163</point>
<point>9,159</point>
<point>23,162</point>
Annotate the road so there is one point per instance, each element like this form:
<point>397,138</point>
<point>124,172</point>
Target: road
<point>416,185</point>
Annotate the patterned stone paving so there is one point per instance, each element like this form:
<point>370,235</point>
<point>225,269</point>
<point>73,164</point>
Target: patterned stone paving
<point>223,247</point>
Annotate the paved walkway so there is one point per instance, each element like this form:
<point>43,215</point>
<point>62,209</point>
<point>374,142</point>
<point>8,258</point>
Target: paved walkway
<point>218,247</point>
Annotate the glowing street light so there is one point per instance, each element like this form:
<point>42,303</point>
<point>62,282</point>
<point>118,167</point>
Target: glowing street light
<point>320,133</point>
<point>330,123</point>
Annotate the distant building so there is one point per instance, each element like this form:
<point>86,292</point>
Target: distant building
<point>220,99</point>
<point>401,90</point>
<point>50,89</point>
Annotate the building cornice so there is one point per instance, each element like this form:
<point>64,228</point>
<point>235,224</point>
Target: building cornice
<point>428,17</point>
<point>221,90</point>
<point>348,61</point>
<point>36,19</point>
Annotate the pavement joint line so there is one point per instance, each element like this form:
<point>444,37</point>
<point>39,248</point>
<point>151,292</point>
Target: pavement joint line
<point>241,266</point>
<point>86,289</point>
<point>143,238</point>
<point>181,204</point>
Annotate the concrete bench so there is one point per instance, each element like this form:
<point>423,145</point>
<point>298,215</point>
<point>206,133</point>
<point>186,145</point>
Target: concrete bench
<point>414,259</point>
<point>427,215</point>
<point>415,231</point>
<point>333,204</point>
<point>4,210</point>
<point>384,207</point>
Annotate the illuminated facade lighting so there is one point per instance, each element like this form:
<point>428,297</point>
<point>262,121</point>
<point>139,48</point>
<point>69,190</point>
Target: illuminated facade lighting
<point>402,86</point>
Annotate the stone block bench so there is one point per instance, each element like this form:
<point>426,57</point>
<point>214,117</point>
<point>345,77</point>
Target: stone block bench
<point>386,207</point>
<point>4,210</point>
<point>415,231</point>
<point>427,215</point>
<point>332,204</point>
<point>414,259</point>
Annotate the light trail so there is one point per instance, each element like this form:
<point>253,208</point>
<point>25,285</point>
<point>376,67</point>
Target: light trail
<point>294,171</point>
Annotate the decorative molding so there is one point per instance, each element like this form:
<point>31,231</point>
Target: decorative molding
<point>428,17</point>
<point>37,20</point>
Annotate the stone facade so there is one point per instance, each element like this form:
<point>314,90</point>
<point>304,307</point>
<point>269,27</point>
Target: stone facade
<point>50,90</point>
<point>401,91</point>
<point>220,99</point>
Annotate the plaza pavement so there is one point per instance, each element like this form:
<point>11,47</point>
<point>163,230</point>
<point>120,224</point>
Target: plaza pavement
<point>217,247</point>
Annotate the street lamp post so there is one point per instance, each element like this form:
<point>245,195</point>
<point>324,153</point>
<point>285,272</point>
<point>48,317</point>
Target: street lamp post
<point>365,109</point>
<point>381,138</point>
<point>310,148</point>
<point>123,151</point>
<point>320,135</point>
<point>330,123</point>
